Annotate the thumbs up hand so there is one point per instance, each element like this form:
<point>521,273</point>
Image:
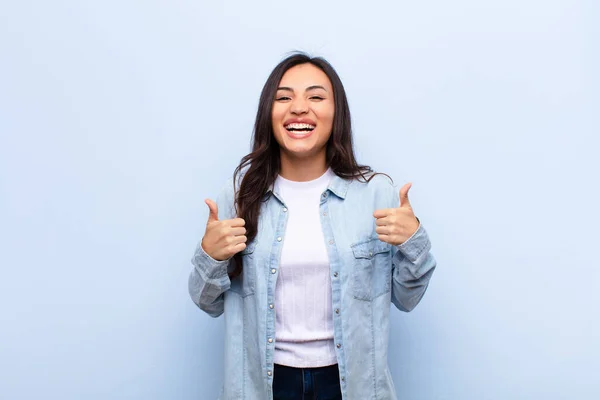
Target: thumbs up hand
<point>223,238</point>
<point>396,225</point>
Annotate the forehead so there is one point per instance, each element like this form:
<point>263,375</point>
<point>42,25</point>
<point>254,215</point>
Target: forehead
<point>305,75</point>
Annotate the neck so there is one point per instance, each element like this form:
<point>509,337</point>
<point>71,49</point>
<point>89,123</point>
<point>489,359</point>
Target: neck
<point>304,169</point>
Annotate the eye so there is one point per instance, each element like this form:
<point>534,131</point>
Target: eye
<point>282,98</point>
<point>317,98</point>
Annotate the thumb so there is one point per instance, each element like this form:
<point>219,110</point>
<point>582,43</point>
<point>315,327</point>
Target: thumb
<point>214,210</point>
<point>404,202</point>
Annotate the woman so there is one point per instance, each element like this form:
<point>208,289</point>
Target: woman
<point>305,249</point>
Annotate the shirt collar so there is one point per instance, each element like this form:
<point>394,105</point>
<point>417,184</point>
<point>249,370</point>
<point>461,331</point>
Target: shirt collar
<point>337,185</point>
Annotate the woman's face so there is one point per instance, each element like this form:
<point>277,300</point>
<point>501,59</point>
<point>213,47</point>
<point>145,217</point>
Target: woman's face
<point>302,114</point>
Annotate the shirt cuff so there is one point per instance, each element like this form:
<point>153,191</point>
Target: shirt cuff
<point>416,245</point>
<point>214,269</point>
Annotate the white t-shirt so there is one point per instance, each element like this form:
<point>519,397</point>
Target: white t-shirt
<point>304,322</point>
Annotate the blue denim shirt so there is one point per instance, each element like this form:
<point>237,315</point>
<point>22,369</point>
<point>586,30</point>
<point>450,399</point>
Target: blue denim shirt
<point>366,276</point>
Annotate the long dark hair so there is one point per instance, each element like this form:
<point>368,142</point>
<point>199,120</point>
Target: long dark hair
<point>264,160</point>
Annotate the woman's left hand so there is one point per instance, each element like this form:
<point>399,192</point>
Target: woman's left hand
<point>396,225</point>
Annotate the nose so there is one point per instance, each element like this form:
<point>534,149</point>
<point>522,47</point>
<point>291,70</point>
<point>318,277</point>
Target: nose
<point>299,106</point>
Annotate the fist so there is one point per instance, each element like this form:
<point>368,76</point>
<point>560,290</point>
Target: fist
<point>222,239</point>
<point>396,225</point>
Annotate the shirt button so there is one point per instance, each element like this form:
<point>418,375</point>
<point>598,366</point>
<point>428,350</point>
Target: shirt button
<point>335,274</point>
<point>338,345</point>
<point>271,306</point>
<point>284,209</point>
<point>337,310</point>
<point>324,214</point>
<point>331,242</point>
<point>270,340</point>
<point>343,379</point>
<point>370,254</point>
<point>269,373</point>
<point>273,270</point>
<point>279,239</point>
<point>325,194</point>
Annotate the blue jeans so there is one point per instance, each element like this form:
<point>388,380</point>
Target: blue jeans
<point>321,383</point>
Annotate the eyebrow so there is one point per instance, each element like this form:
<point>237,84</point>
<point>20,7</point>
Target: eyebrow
<point>313,87</point>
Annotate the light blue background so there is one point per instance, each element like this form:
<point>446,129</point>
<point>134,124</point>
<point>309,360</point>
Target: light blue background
<point>117,119</point>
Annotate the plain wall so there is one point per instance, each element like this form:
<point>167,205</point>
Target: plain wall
<point>118,118</point>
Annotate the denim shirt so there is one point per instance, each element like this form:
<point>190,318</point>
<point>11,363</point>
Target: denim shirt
<point>366,276</point>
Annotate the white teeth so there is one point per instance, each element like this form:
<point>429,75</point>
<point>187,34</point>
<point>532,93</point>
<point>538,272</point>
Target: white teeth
<point>299,126</point>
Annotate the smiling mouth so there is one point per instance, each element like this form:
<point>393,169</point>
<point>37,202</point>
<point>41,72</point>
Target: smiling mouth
<point>299,128</point>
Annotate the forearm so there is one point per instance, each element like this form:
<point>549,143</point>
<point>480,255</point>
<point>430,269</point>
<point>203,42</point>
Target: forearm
<point>208,282</point>
<point>412,268</point>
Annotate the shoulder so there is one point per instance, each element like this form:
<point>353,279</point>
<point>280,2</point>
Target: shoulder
<point>227,195</point>
<point>375,182</point>
<point>228,188</point>
<point>380,180</point>
<point>380,188</point>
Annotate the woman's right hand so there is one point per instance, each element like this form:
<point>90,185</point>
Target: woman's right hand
<point>223,239</point>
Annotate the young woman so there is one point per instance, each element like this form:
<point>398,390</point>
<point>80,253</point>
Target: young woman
<point>305,249</point>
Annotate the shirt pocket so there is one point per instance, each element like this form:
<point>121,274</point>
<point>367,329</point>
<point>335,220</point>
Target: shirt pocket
<point>243,284</point>
<point>372,269</point>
